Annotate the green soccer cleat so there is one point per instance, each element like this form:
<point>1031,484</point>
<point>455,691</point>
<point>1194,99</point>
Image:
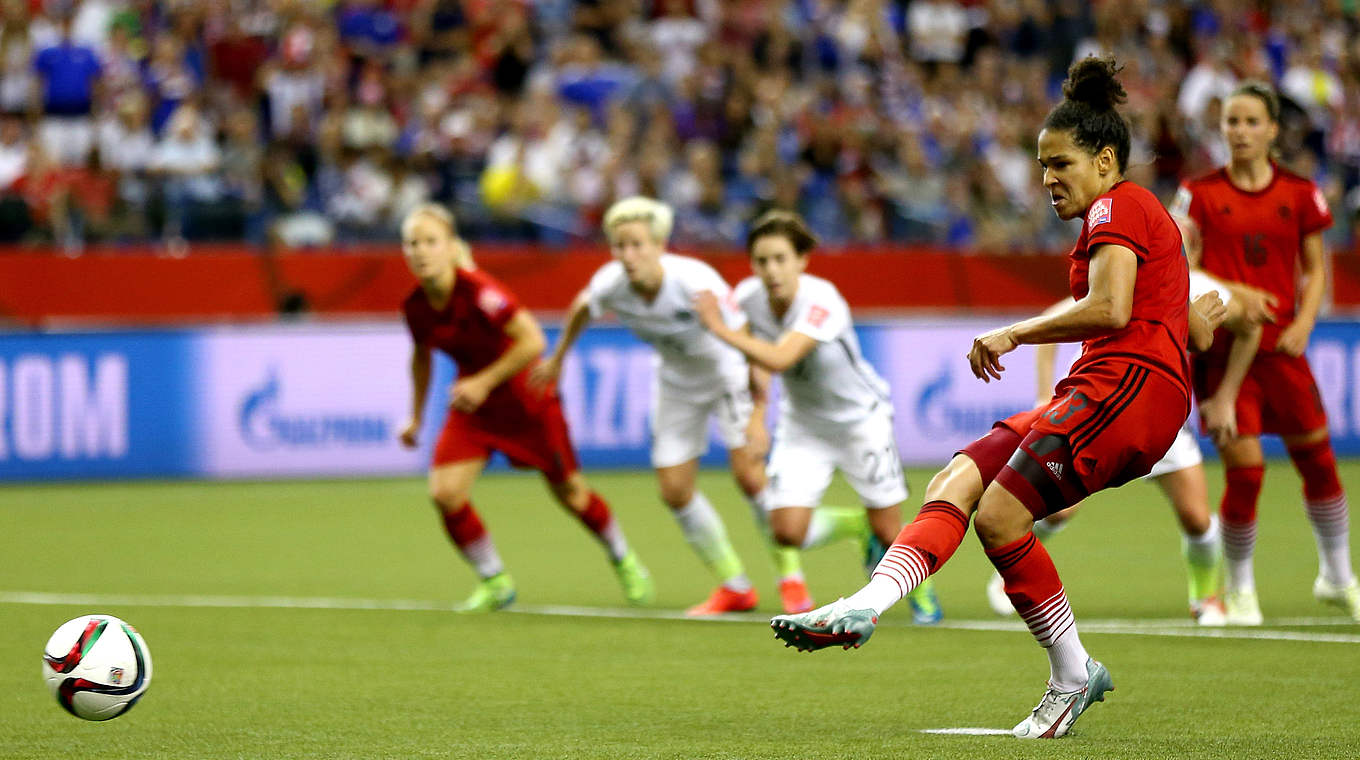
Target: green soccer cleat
<point>873,552</point>
<point>925,605</point>
<point>494,593</point>
<point>1241,607</point>
<point>834,624</point>
<point>1058,710</point>
<point>638,587</point>
<point>1346,597</point>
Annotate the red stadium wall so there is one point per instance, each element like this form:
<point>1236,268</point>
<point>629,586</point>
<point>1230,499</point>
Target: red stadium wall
<point>237,283</point>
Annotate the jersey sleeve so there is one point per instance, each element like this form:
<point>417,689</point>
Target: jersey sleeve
<point>1118,221</point>
<point>1314,215</point>
<point>601,284</point>
<point>707,278</point>
<point>822,317</point>
<point>495,303</point>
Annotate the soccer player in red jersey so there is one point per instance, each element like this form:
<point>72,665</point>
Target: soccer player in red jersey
<point>1257,227</point>
<point>471,317</point>
<point>1110,420</point>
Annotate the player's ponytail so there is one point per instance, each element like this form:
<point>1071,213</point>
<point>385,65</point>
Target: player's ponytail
<point>1090,95</point>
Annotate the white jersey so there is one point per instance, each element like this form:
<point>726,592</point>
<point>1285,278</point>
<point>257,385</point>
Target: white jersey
<point>689,357</point>
<point>833,383</point>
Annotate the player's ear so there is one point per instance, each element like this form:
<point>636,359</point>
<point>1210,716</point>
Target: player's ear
<point>1105,160</point>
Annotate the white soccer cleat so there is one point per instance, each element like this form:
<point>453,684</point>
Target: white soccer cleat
<point>1210,613</point>
<point>1058,710</point>
<point>1346,597</point>
<point>1241,607</point>
<point>996,596</point>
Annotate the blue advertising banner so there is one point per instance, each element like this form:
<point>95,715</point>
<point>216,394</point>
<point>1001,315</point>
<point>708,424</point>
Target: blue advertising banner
<point>96,405</point>
<point>329,400</point>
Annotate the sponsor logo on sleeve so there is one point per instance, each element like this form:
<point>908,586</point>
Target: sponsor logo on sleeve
<point>817,315</point>
<point>1320,201</point>
<point>1099,214</point>
<point>491,301</point>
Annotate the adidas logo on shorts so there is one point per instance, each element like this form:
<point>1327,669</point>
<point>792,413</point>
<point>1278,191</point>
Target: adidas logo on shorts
<point>1056,468</point>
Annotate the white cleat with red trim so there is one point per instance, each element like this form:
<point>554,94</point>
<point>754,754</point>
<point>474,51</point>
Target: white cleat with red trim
<point>1058,710</point>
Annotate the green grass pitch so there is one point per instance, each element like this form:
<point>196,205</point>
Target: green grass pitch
<point>196,566</point>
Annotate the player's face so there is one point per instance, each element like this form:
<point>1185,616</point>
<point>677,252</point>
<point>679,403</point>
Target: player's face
<point>1248,128</point>
<point>1072,176</point>
<point>632,244</point>
<point>427,246</point>
<point>777,263</point>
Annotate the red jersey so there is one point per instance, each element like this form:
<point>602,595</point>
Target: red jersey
<point>1255,237</point>
<point>471,330</point>
<point>1158,328</point>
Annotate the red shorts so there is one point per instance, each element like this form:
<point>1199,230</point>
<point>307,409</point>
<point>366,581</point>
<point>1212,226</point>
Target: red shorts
<point>1278,395</point>
<point>537,440</point>
<point>1107,425</point>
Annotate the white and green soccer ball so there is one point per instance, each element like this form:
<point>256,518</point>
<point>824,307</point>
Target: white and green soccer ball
<point>97,666</point>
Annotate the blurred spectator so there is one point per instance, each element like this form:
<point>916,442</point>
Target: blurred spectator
<point>884,121</point>
<point>69,71</point>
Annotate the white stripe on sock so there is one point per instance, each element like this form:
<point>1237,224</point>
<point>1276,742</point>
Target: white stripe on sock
<point>483,556</point>
<point>1331,530</point>
<point>901,570</point>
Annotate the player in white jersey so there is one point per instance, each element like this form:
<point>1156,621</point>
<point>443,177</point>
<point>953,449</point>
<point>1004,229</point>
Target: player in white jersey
<point>1180,475</point>
<point>835,412</point>
<point>698,378</point>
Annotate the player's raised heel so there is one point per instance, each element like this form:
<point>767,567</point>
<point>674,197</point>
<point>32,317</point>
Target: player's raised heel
<point>834,624</point>
<point>494,593</point>
<point>637,584</point>
<point>1346,597</point>
<point>1058,710</point>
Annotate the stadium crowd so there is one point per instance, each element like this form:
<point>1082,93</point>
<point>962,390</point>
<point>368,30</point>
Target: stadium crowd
<point>910,121</point>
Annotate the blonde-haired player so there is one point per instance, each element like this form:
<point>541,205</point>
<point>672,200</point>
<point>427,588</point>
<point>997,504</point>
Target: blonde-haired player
<point>698,378</point>
<point>471,317</point>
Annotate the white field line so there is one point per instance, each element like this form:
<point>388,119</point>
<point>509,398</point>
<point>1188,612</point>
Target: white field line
<point>968,731</point>
<point>1175,627</point>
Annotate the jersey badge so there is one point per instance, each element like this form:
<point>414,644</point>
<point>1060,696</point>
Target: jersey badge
<point>1099,214</point>
<point>817,315</point>
<point>1320,201</point>
<point>491,301</point>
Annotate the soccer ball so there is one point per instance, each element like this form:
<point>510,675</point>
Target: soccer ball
<point>97,666</point>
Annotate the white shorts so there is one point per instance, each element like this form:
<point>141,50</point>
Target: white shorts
<point>1201,283</point>
<point>805,456</point>
<point>680,424</point>
<point>1184,453</point>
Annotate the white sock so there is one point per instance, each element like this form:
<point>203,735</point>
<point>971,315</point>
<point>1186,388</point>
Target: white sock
<point>483,557</point>
<point>1203,550</point>
<point>1055,628</point>
<point>1239,543</point>
<point>706,534</point>
<point>1331,529</point>
<point>901,570</point>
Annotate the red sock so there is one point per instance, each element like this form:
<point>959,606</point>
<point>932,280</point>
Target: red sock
<point>936,532</point>
<point>1034,588</point>
<point>600,521</point>
<point>463,526</point>
<point>1316,463</point>
<point>922,547</point>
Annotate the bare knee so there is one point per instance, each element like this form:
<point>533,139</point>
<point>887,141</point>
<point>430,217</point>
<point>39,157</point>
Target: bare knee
<point>572,493</point>
<point>448,499</point>
<point>789,527</point>
<point>959,483</point>
<point>677,495</point>
<point>750,481</point>
<point>1001,518</point>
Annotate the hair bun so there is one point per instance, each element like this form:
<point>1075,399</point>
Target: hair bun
<point>1094,81</point>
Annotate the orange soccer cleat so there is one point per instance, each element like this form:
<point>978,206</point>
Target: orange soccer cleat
<point>793,592</point>
<point>723,600</point>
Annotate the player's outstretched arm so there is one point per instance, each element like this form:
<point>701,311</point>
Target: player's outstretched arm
<point>775,357</point>
<point>420,385</point>
<point>1106,307</point>
<point>527,343</point>
<point>547,372</point>
<point>1293,338</point>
